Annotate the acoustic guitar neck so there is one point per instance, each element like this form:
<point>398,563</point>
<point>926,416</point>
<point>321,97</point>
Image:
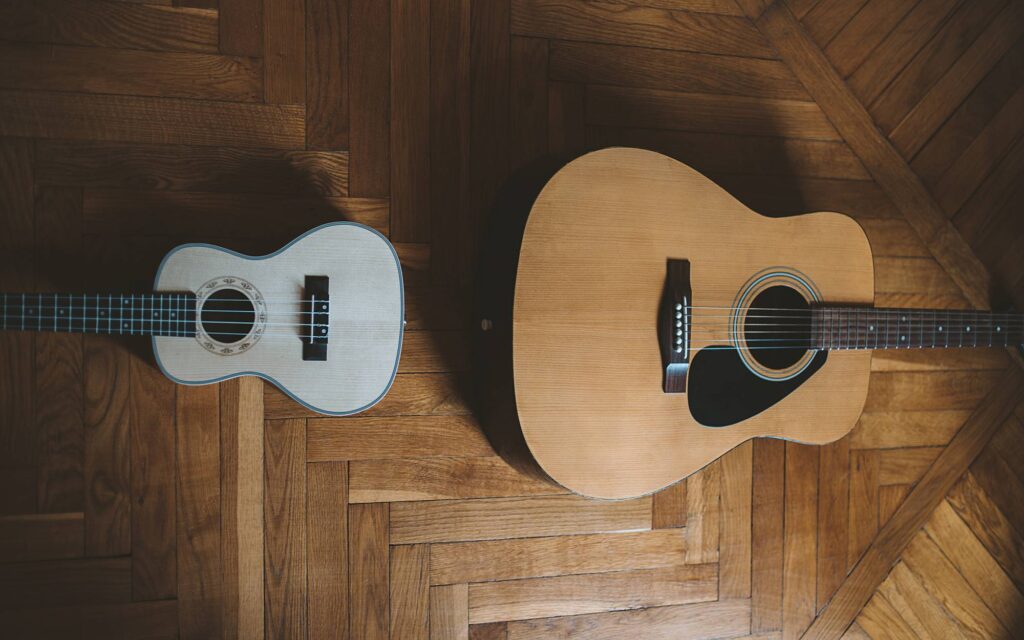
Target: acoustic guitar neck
<point>841,328</point>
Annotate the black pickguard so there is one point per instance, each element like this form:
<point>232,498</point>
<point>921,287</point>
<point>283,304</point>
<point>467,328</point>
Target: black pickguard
<point>723,391</point>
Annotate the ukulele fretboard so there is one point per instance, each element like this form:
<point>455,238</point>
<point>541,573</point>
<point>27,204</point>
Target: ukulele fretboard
<point>869,328</point>
<point>162,314</point>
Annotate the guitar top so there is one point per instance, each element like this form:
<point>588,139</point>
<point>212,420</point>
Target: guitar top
<point>658,323</point>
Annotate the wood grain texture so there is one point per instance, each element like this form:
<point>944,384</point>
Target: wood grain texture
<point>89,70</point>
<point>285,514</point>
<point>198,169</point>
<point>410,121</point>
<point>833,518</point>
<point>955,85</point>
<point>864,469</point>
<point>729,618</point>
<point>327,75</point>
<point>657,109</point>
<point>489,107</point>
<point>46,536</point>
<point>767,522</point>
<point>188,214</point>
<point>150,120</point>
<point>921,611</point>
<point>242,487</point>
<point>368,571</point>
<point>669,507</point>
<point>109,24</point>
<point>369,97</point>
<point>284,50</point>
<point>410,591</point>
<point>703,507</point>
<point>574,595</point>
<point>528,110</point>
<point>449,612</point>
<point>449,136</point>
<point>59,421</point>
<point>426,479</point>
<point>19,453</point>
<point>156,618</point>
<point>956,541</point>
<point>901,45</point>
<point>361,438</point>
<point>934,59</point>
<point>801,533</point>
<point>941,578</point>
<point>896,534</point>
<point>455,520</point>
<point>327,561</point>
<point>491,560</point>
<point>105,371</point>
<point>648,26</point>
<point>65,582</point>
<point>987,522</point>
<point>865,31</point>
<point>626,66</point>
<point>239,23</point>
<point>198,507</point>
<point>153,483</point>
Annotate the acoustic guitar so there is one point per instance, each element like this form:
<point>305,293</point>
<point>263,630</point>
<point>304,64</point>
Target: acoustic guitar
<point>657,323</point>
<point>322,318</point>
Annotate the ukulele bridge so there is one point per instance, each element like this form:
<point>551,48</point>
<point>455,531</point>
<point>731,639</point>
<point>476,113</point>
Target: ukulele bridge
<point>674,326</point>
<point>316,318</point>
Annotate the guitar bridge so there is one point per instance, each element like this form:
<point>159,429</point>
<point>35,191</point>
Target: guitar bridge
<point>316,316</point>
<point>674,326</point>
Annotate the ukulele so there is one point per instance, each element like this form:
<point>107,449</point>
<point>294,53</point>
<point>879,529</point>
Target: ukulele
<point>657,323</point>
<point>322,318</point>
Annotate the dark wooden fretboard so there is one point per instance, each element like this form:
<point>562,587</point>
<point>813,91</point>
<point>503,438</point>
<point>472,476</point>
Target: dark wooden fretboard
<point>161,314</point>
<point>869,328</point>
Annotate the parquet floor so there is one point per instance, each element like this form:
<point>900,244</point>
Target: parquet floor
<point>132,508</point>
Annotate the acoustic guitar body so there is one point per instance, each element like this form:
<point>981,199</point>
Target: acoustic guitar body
<point>606,239</point>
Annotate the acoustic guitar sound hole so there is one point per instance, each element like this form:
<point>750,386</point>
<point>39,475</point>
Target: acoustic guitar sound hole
<point>778,327</point>
<point>227,315</point>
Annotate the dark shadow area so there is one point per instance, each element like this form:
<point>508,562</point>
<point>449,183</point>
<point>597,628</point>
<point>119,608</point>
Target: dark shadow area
<point>495,404</point>
<point>254,205</point>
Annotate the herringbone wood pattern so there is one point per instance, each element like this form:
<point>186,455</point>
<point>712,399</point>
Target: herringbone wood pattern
<point>134,508</point>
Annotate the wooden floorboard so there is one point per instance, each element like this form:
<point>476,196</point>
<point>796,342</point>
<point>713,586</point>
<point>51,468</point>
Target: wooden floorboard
<point>130,507</point>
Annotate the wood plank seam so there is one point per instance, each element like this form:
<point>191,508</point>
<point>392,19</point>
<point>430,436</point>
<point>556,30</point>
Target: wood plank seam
<point>885,550</point>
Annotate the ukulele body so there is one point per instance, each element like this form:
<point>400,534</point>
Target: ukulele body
<point>363,328</point>
<point>588,371</point>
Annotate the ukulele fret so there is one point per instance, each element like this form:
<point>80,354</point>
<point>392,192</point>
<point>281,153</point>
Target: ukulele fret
<point>149,315</point>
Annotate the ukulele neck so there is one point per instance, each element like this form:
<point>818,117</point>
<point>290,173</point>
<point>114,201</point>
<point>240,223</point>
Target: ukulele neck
<point>159,314</point>
<point>836,328</point>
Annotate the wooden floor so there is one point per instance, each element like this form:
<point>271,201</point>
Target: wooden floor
<point>132,508</point>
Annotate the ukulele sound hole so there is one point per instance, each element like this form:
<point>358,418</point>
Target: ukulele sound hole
<point>227,315</point>
<point>777,329</point>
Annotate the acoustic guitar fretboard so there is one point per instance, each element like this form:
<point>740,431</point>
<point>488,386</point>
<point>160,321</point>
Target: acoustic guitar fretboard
<point>859,328</point>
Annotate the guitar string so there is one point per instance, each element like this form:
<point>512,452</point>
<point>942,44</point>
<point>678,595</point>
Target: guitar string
<point>855,324</point>
<point>190,298</point>
<point>851,313</point>
<point>44,319</point>
<point>711,345</point>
